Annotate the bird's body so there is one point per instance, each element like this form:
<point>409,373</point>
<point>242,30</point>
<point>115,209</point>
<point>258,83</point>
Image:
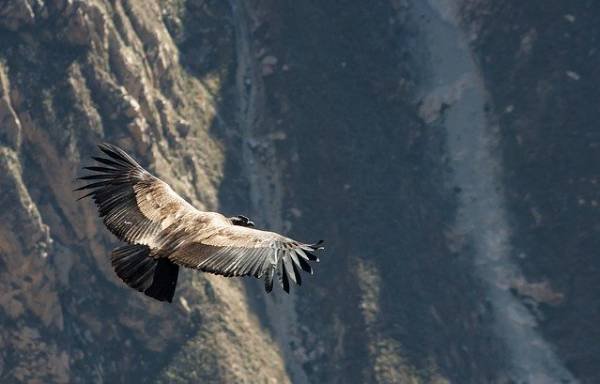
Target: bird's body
<point>164,231</point>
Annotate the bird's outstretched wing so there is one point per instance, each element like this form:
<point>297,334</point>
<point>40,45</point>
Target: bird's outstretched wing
<point>135,205</point>
<point>242,251</point>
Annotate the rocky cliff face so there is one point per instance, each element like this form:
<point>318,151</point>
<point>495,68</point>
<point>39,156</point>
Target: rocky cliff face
<point>350,121</point>
<point>74,74</point>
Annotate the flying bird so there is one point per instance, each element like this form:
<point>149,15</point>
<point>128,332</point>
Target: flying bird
<point>164,231</point>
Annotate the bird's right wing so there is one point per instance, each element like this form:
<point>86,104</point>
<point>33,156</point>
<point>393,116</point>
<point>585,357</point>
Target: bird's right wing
<point>242,251</point>
<point>135,205</point>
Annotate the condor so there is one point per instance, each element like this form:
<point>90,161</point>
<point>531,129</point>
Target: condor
<point>163,231</point>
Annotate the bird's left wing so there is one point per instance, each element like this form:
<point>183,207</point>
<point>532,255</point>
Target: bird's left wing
<point>243,251</point>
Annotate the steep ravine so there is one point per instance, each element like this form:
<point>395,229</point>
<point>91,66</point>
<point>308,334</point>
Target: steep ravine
<point>537,60</point>
<point>455,98</point>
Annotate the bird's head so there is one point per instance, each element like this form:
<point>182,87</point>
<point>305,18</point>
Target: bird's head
<point>241,221</point>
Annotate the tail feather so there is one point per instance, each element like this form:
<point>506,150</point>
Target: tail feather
<point>157,278</point>
<point>165,281</point>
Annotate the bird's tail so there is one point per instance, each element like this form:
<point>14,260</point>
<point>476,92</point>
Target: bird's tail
<point>134,265</point>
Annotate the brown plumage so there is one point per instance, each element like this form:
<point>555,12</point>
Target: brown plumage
<point>165,231</point>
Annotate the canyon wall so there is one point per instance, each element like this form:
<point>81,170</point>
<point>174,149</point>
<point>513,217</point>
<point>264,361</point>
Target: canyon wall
<point>445,150</point>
